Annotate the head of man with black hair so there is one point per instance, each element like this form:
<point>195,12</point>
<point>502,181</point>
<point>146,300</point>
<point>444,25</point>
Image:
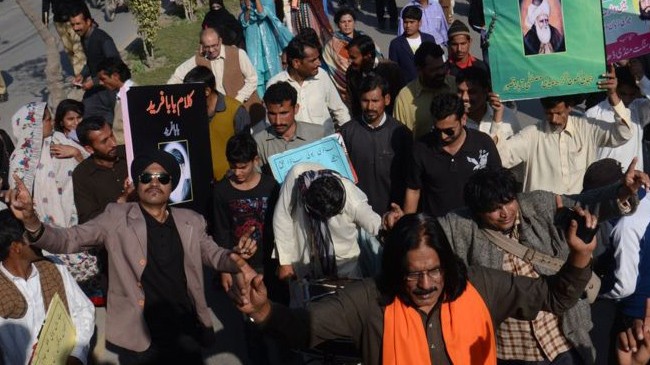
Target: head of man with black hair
<point>375,97</point>
<point>242,156</point>
<point>325,197</point>
<point>96,136</point>
<point>80,19</point>
<point>113,73</point>
<point>14,251</point>
<point>411,18</point>
<point>303,59</point>
<point>627,87</point>
<point>491,196</point>
<point>473,86</point>
<point>432,69</point>
<point>281,100</point>
<point>362,52</point>
<point>449,118</point>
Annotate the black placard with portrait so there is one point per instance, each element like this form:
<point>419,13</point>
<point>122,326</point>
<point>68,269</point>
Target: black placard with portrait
<point>173,118</point>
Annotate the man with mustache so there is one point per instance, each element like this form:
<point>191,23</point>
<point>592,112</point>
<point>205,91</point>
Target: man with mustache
<point>531,222</point>
<point>101,178</point>
<point>556,152</point>
<point>284,131</point>
<point>378,146</point>
<point>542,38</point>
<point>426,306</point>
<point>157,311</point>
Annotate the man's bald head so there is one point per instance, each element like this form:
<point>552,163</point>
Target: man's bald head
<point>210,43</point>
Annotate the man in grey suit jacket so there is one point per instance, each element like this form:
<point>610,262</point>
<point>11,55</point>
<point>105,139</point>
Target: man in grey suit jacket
<point>157,311</point>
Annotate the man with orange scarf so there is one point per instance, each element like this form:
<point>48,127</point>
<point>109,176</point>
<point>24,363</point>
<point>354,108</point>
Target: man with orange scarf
<point>426,306</point>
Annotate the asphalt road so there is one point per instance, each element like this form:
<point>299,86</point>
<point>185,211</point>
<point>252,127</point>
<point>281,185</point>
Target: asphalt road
<point>22,54</point>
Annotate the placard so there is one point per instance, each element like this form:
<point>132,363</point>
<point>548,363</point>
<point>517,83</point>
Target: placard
<point>328,151</point>
<point>627,28</point>
<point>57,337</point>
<point>173,118</point>
<point>543,48</point>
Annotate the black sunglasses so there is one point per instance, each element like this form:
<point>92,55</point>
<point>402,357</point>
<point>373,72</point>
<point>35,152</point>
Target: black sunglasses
<point>163,177</point>
<point>447,131</point>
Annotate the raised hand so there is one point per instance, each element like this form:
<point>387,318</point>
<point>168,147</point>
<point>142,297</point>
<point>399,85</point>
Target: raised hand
<point>21,204</point>
<point>632,181</point>
<point>634,343</point>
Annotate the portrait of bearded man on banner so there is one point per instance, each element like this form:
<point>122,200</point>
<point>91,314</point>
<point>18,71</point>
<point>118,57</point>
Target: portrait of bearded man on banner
<point>542,26</point>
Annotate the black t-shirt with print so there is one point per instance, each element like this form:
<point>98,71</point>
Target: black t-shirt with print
<point>441,177</point>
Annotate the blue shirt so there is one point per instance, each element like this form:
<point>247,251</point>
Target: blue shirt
<point>433,21</point>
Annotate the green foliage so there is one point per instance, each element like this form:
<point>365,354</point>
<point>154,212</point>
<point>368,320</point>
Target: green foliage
<point>147,13</point>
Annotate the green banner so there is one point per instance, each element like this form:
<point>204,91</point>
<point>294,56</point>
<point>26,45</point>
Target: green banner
<point>543,48</point>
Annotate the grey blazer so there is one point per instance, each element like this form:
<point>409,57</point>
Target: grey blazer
<point>122,230</point>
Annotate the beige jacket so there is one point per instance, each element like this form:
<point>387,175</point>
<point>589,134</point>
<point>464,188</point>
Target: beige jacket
<point>122,230</point>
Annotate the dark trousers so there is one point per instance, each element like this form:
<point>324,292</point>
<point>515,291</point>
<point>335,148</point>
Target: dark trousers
<point>185,350</point>
<point>570,357</point>
<point>392,9</point>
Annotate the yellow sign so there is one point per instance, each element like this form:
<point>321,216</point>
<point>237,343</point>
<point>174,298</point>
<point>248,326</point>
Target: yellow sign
<point>57,337</point>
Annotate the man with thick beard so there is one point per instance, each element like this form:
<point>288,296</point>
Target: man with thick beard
<point>542,37</point>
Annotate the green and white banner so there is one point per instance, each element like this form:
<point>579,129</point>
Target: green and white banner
<point>543,48</point>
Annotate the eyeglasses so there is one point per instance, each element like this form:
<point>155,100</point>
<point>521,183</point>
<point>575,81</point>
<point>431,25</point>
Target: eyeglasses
<point>163,177</point>
<point>433,274</point>
<point>211,46</point>
<point>449,132</point>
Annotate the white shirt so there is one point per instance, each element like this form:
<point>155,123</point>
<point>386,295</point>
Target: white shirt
<point>245,65</point>
<point>557,161</point>
<point>17,336</point>
<point>640,117</point>
<point>414,43</point>
<point>320,102</point>
<point>292,232</point>
<point>626,237</point>
<point>508,126</point>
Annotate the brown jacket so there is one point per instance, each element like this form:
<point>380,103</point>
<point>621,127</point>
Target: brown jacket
<point>122,230</point>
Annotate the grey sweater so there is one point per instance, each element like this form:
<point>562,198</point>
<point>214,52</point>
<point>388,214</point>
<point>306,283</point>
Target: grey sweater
<point>538,231</point>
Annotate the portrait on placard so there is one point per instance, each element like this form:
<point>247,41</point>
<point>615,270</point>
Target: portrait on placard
<point>644,9</point>
<point>542,26</point>
<point>181,152</point>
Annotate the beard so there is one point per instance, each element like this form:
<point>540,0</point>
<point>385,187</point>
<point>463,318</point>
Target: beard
<point>543,33</point>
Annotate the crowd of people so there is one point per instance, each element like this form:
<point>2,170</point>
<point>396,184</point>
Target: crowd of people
<point>466,237</point>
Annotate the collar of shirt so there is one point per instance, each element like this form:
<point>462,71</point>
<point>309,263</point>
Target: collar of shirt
<point>125,87</point>
<point>272,135</point>
<point>12,277</point>
<point>487,117</point>
<point>222,53</point>
<point>381,123</point>
<point>463,65</point>
<point>221,103</point>
<point>307,80</point>
<point>569,128</point>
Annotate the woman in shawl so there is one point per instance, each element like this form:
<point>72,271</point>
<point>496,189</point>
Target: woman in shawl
<point>266,37</point>
<point>47,173</point>
<point>335,53</point>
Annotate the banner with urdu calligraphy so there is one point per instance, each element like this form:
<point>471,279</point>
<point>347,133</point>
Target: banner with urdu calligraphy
<point>627,28</point>
<point>541,48</point>
<point>173,118</point>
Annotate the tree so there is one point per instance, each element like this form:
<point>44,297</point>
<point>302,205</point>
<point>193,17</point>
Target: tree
<point>146,13</point>
<point>53,69</point>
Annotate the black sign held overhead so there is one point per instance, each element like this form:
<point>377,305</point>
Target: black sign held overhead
<point>173,118</point>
